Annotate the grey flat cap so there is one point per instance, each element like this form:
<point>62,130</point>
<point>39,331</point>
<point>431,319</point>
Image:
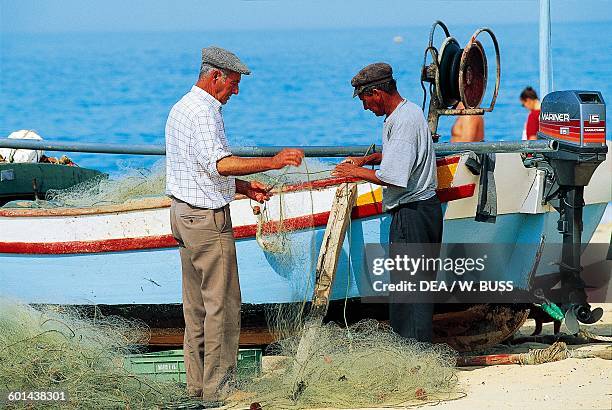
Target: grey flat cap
<point>370,76</point>
<point>221,58</point>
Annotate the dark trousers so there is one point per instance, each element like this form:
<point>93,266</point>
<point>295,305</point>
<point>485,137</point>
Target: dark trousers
<point>419,223</point>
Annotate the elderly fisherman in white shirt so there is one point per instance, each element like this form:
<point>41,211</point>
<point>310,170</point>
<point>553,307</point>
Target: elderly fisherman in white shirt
<point>200,172</point>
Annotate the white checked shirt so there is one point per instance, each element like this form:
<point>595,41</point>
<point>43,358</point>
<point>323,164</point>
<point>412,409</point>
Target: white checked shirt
<point>195,141</point>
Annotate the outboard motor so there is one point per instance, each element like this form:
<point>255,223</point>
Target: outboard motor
<point>577,121</point>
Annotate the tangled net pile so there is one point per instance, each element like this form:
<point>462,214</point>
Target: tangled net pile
<point>362,365</point>
<point>133,183</point>
<point>45,350</point>
<point>366,365</point>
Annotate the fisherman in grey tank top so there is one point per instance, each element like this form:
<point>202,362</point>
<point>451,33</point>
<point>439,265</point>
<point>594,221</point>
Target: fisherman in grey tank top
<point>407,173</point>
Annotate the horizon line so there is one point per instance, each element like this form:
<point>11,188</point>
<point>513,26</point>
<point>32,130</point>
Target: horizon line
<point>320,28</point>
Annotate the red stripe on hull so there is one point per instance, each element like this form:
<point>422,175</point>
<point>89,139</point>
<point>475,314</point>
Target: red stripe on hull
<point>456,192</point>
<point>318,184</point>
<point>447,161</point>
<point>240,232</point>
<point>165,202</point>
<point>107,245</point>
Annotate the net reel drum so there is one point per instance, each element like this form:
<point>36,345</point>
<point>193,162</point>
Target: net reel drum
<point>457,75</point>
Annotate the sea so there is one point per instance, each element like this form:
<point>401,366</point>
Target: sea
<point>119,87</point>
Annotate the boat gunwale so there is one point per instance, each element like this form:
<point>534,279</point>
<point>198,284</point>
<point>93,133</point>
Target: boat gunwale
<point>152,242</point>
<point>149,203</point>
<point>158,202</point>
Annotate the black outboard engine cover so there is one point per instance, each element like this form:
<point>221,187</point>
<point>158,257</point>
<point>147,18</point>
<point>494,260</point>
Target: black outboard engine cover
<point>577,121</point>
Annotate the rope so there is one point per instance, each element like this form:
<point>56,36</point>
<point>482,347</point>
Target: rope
<point>593,336</point>
<point>558,351</point>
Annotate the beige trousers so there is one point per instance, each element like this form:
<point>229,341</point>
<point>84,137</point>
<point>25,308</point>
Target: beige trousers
<point>211,296</point>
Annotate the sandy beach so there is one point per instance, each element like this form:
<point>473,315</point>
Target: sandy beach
<point>567,384</point>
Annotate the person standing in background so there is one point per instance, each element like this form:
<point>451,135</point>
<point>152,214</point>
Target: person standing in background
<point>467,128</point>
<point>529,100</point>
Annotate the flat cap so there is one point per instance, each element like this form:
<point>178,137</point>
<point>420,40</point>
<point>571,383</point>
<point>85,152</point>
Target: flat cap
<point>371,75</point>
<point>221,58</point>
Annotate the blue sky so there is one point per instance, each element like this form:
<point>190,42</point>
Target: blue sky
<point>202,15</point>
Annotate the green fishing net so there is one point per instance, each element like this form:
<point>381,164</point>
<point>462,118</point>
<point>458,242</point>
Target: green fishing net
<point>338,365</point>
<point>361,365</point>
<point>364,365</point>
<point>53,350</point>
<point>131,184</point>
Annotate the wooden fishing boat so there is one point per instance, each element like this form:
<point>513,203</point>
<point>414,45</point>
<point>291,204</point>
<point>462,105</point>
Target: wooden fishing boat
<point>123,258</point>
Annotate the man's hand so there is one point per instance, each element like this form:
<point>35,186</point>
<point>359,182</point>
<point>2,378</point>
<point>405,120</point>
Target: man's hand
<point>288,156</point>
<point>345,169</point>
<point>257,191</point>
<point>237,166</point>
<point>359,161</point>
<point>348,170</point>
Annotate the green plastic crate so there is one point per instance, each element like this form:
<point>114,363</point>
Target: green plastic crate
<point>169,365</point>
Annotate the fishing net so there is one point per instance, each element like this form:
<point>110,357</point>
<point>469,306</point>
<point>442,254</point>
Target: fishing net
<point>51,350</point>
<point>272,231</point>
<point>131,184</point>
<point>364,364</point>
<point>292,254</point>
